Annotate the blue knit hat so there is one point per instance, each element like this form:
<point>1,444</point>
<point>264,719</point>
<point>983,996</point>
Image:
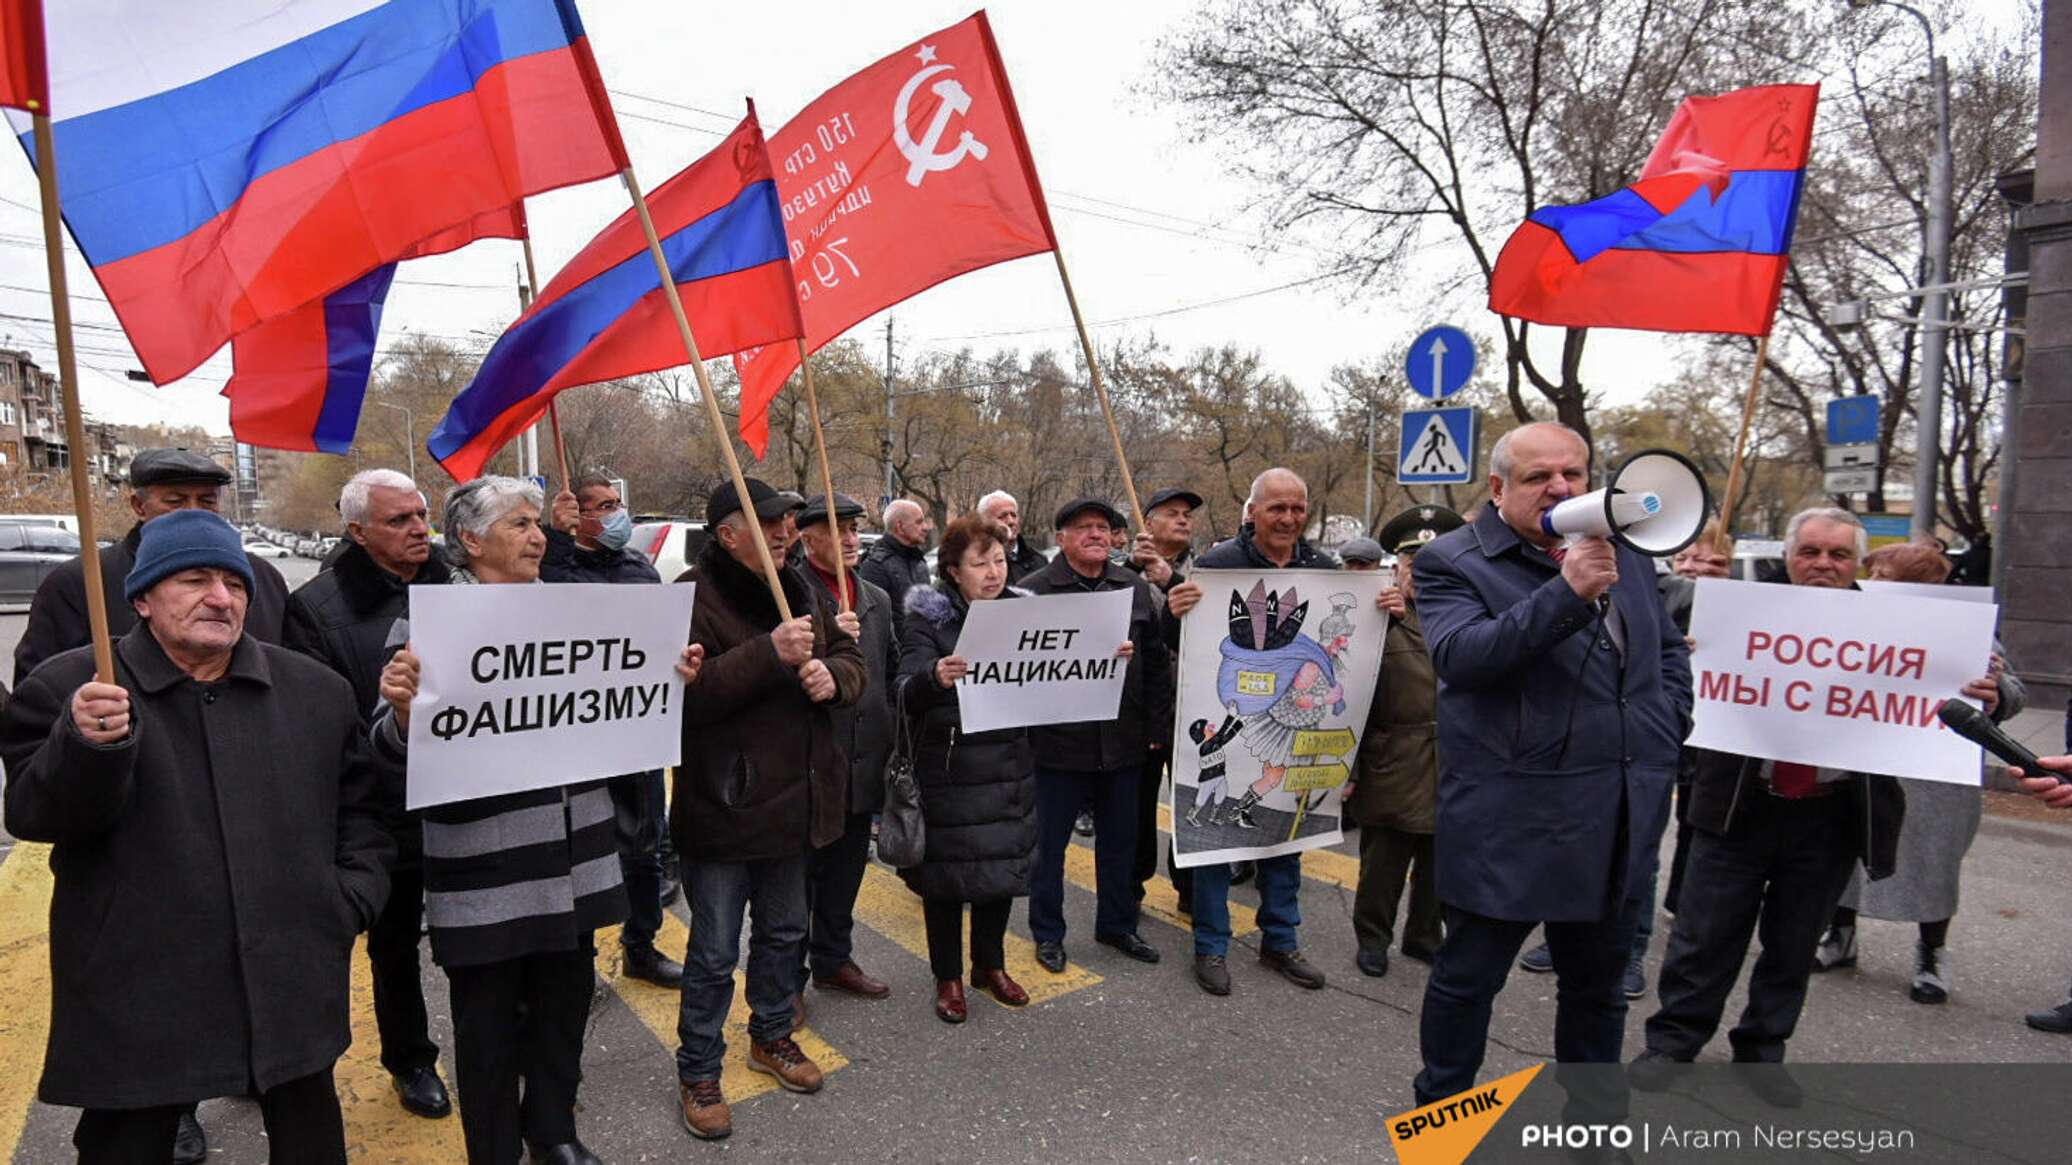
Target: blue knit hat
<point>184,540</point>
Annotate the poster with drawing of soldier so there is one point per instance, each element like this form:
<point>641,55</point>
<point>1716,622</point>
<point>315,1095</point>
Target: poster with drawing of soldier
<point>1276,675</point>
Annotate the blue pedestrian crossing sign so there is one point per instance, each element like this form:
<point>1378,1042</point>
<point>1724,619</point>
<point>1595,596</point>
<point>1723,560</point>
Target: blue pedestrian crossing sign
<point>1437,446</point>
<point>1853,420</point>
<point>1440,363</point>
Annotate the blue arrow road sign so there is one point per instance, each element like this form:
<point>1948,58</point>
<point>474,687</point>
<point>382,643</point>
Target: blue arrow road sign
<point>1440,363</point>
<point>1852,420</point>
<point>1438,446</point>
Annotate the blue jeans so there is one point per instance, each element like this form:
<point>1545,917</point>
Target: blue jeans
<point>1280,905</point>
<point>1113,795</point>
<point>719,893</point>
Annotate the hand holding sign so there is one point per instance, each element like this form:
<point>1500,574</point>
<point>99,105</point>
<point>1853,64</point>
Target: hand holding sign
<point>1183,598</point>
<point>399,686</point>
<point>949,669</point>
<point>1986,690</point>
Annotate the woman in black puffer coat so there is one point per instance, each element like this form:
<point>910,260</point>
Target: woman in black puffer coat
<point>978,790</point>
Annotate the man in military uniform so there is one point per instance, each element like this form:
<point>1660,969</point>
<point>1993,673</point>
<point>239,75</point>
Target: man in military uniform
<point>1395,790</point>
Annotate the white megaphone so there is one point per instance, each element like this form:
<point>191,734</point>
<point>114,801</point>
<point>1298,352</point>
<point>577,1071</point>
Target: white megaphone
<point>1656,503</point>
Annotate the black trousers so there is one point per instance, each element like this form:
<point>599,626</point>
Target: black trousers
<point>834,874</point>
<point>640,819</point>
<point>303,1125</point>
<point>1387,857</point>
<point>520,1020</point>
<point>1777,873</point>
<point>945,921</point>
<point>392,952</point>
<point>1475,959</point>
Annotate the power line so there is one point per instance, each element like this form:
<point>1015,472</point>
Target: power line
<point>1152,315</point>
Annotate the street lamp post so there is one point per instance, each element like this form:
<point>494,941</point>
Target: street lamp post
<point>409,434</point>
<point>1935,314</point>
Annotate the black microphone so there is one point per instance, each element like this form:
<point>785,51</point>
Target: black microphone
<point>1968,722</point>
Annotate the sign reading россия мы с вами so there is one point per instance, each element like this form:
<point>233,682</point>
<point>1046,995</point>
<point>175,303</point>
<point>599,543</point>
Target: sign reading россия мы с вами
<point>1839,679</point>
<point>523,687</point>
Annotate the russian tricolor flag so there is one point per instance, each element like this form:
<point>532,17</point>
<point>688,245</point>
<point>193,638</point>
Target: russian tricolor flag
<point>226,163</point>
<point>299,379</point>
<point>604,316</point>
<point>1699,243</point>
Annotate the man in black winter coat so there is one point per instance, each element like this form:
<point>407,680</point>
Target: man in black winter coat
<point>342,617</point>
<point>863,731</point>
<point>161,481</point>
<point>215,851</point>
<point>899,559</point>
<point>1097,761</point>
<point>1023,559</point>
<point>587,543</point>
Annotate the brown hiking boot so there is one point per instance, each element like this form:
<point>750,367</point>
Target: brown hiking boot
<point>783,1059</point>
<point>705,1112</point>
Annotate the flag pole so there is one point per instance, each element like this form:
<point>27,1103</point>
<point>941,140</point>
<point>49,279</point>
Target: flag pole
<point>68,387</point>
<point>1093,369</point>
<point>827,479</point>
<point>712,413</point>
<point>532,283</point>
<point>1755,379</point>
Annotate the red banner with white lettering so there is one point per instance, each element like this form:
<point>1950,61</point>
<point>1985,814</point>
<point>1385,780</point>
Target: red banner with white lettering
<point>911,172</point>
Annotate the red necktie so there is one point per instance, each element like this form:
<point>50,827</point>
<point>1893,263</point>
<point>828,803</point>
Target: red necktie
<point>1558,553</point>
<point>1793,780</point>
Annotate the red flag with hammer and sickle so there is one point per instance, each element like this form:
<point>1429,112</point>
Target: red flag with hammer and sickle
<point>911,172</point>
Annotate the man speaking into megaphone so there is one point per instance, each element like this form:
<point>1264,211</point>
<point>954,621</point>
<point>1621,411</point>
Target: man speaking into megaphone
<point>1565,691</point>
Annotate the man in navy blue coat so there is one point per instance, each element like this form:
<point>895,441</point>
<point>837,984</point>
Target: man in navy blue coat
<point>1564,693</point>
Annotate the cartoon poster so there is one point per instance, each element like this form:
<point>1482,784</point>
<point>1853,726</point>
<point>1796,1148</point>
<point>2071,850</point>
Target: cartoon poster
<point>1277,672</point>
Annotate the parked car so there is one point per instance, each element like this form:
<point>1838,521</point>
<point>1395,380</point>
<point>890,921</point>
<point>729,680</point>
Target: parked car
<point>264,550</point>
<point>29,550</point>
<point>670,545</point>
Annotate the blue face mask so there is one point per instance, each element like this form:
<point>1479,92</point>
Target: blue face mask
<point>618,530</point>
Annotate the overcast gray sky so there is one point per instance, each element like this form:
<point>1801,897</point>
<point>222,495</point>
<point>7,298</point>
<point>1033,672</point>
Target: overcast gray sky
<point>1150,223</point>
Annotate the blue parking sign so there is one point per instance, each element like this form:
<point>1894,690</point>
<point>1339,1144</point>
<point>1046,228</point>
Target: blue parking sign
<point>1437,446</point>
<point>1853,420</point>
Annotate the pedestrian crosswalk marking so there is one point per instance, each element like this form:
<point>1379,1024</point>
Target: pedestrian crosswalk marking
<point>1161,901</point>
<point>888,907</point>
<point>24,983</point>
<point>1322,865</point>
<point>373,1115</point>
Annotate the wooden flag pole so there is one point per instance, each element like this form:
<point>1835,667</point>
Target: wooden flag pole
<point>532,283</point>
<point>68,387</point>
<point>1755,380</point>
<point>827,479</point>
<point>712,413</point>
<point>1093,369</point>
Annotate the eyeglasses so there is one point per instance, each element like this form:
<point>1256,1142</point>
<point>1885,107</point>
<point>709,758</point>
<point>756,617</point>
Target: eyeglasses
<point>607,506</point>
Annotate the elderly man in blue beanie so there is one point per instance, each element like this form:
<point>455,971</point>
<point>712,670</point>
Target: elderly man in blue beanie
<point>212,820</point>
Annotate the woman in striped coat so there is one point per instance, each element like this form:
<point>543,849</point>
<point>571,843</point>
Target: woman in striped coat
<point>515,885</point>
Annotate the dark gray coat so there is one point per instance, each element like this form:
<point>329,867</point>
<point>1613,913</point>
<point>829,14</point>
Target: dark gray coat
<point>894,566</point>
<point>978,790</point>
<point>863,730</point>
<point>209,872</point>
<point>1555,748</point>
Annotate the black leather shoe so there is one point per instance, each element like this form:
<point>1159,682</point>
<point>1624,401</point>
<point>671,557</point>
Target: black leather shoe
<point>1051,957</point>
<point>1294,968</point>
<point>571,1153</point>
<point>1212,973</point>
<point>652,966</point>
<point>190,1143</point>
<point>1373,964</point>
<point>2051,1019</point>
<point>422,1092</point>
<point>1654,1071</point>
<point>1129,944</point>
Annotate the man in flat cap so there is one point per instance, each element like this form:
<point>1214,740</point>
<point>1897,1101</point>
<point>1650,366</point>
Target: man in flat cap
<point>1395,790</point>
<point>1162,555</point>
<point>1097,760</point>
<point>161,481</point>
<point>762,785</point>
<point>863,731</point>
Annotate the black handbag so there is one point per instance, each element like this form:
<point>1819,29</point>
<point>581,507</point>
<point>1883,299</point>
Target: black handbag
<point>902,828</point>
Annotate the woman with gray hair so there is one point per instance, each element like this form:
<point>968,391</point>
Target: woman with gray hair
<point>515,884</point>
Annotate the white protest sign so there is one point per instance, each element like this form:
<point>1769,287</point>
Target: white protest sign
<point>1277,674</point>
<point>1836,678</point>
<point>524,687</point>
<point>1928,590</point>
<point>1043,660</point>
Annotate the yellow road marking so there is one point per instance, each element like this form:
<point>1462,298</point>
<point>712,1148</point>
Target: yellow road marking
<point>1322,864</point>
<point>1161,901</point>
<point>378,1129</point>
<point>888,907</point>
<point>657,1008</point>
<point>24,983</point>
